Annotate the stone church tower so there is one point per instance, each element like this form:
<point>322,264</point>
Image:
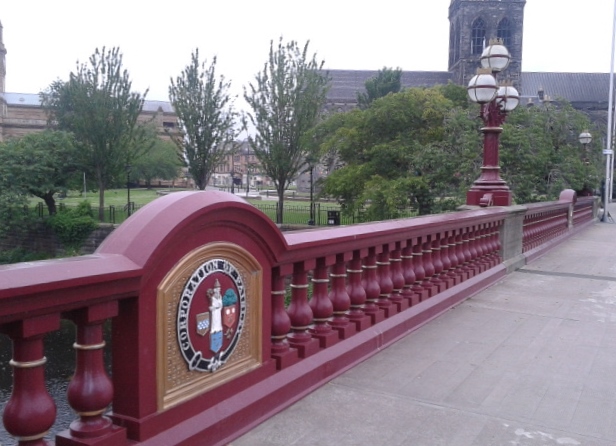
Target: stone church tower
<point>472,23</point>
<point>3,109</point>
<point>2,62</point>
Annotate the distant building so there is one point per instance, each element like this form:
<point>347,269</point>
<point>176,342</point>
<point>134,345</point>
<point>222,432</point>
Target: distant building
<point>472,24</point>
<point>21,113</point>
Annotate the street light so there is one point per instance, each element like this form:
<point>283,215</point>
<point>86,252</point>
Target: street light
<point>585,138</point>
<point>496,101</point>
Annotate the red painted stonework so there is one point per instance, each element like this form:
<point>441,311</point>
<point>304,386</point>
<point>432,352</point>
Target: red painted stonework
<point>413,270</point>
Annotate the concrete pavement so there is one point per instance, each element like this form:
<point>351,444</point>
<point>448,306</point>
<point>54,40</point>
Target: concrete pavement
<point>529,361</point>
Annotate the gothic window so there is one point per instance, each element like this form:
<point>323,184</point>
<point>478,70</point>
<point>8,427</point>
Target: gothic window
<point>504,31</point>
<point>478,36</point>
<point>457,43</point>
<point>451,45</point>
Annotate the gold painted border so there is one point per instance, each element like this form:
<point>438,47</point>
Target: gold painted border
<point>197,382</point>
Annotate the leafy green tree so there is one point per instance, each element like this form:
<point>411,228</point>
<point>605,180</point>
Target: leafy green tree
<point>286,100</point>
<point>423,148</point>
<point>97,105</point>
<point>160,161</point>
<point>388,80</point>
<point>14,217</point>
<point>541,154</point>
<point>206,116</point>
<point>381,151</point>
<point>41,164</point>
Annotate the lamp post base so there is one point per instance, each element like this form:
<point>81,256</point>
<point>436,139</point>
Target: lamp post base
<point>486,197</point>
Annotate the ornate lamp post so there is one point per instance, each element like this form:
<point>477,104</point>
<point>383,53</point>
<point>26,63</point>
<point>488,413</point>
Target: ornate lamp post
<point>585,138</point>
<point>496,101</point>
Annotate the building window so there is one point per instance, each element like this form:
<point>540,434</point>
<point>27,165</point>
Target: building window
<point>478,36</point>
<point>456,46</point>
<point>168,125</point>
<point>505,31</point>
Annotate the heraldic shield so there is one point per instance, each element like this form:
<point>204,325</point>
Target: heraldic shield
<point>203,323</point>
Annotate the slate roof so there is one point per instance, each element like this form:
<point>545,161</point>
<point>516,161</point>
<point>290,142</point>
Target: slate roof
<point>346,83</point>
<point>34,100</point>
<point>574,87</point>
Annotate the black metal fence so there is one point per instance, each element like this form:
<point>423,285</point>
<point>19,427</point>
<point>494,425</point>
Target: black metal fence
<point>321,215</point>
<point>112,214</point>
<point>300,214</point>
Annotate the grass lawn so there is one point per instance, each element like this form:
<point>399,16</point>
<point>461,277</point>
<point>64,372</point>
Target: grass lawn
<point>113,197</point>
<point>296,212</point>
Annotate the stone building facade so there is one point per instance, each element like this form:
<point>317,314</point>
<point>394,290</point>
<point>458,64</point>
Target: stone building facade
<point>21,113</point>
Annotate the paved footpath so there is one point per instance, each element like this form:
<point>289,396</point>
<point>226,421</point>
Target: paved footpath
<point>529,361</point>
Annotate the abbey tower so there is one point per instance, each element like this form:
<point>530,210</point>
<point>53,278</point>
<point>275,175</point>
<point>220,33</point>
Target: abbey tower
<point>472,23</point>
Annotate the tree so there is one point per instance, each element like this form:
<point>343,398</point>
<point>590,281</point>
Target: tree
<point>41,164</point>
<point>423,147</point>
<point>286,100</point>
<point>161,162</point>
<point>541,153</point>
<point>97,105</point>
<point>14,218</point>
<point>386,81</point>
<point>206,116</point>
<point>381,150</point>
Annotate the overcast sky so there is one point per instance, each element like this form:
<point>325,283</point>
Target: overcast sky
<point>45,38</point>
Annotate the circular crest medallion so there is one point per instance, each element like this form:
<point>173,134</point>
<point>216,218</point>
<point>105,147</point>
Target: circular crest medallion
<point>211,314</point>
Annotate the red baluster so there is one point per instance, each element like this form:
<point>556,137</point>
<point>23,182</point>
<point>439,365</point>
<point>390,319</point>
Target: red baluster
<point>428,267</point>
<point>460,270</point>
<point>397,279</point>
<point>447,257</point>
<point>357,294</point>
<point>300,314</point>
<point>496,243</point>
<point>492,242</point>
<point>281,324</point>
<point>478,244</point>
<point>30,411</point>
<point>483,247</point>
<point>90,391</point>
<point>472,247</point>
<point>437,262</point>
<point>468,256</point>
<point>340,299</point>
<point>322,308</point>
<point>372,288</point>
<point>408,272</point>
<point>386,285</point>
<point>420,272</point>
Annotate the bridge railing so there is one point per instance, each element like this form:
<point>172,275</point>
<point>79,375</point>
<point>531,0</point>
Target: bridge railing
<point>193,366</point>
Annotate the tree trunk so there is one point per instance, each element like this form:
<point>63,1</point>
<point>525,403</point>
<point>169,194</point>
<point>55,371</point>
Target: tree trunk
<point>101,202</point>
<point>280,209</point>
<point>50,202</point>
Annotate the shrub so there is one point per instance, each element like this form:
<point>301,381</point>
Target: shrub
<point>17,255</point>
<point>72,226</point>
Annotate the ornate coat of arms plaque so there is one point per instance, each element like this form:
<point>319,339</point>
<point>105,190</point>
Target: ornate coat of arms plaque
<point>203,343</point>
<point>209,321</point>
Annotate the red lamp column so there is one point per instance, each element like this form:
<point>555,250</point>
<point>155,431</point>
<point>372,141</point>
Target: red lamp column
<point>490,189</point>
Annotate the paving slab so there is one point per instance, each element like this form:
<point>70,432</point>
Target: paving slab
<point>529,361</point>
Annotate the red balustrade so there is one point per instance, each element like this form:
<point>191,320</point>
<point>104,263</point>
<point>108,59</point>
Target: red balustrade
<point>341,301</point>
<point>308,300</point>
<point>358,313</point>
